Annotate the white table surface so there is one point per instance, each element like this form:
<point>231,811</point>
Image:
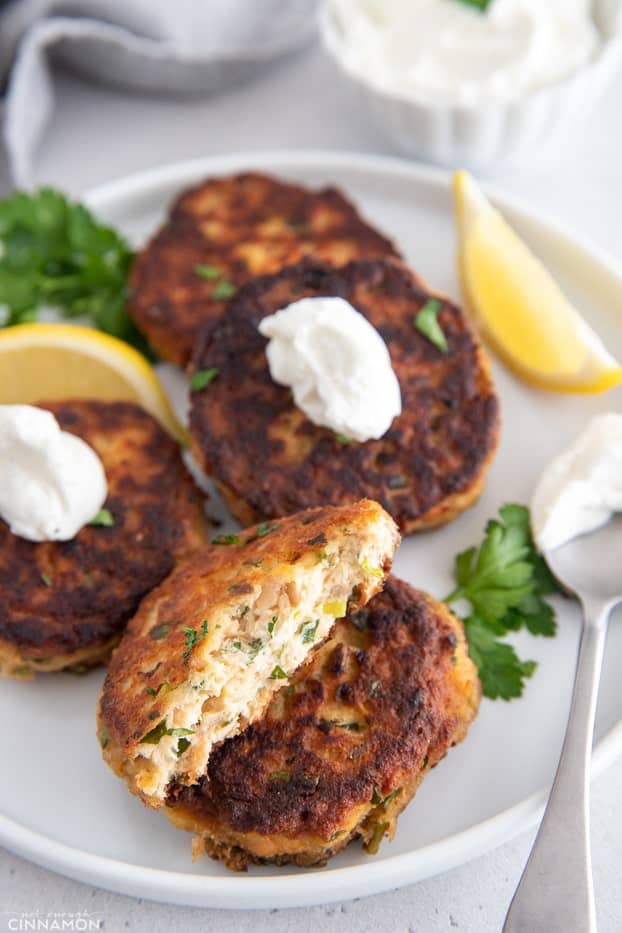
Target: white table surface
<point>99,134</point>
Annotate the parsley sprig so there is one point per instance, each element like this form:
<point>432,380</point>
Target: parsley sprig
<point>481,5</point>
<point>53,253</point>
<point>504,581</point>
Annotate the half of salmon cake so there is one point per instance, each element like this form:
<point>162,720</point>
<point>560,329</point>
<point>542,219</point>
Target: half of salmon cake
<point>343,748</point>
<point>208,648</point>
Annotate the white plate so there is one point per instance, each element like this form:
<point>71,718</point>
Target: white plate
<point>63,808</point>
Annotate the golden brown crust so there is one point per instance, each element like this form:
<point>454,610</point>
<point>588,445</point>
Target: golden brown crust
<point>243,225</point>
<point>66,602</point>
<point>216,580</point>
<point>269,459</point>
<point>373,709</point>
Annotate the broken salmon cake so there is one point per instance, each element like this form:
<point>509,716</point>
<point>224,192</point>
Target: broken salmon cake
<point>342,749</point>
<point>209,647</point>
<point>64,604</point>
<point>268,458</point>
<point>223,232</point>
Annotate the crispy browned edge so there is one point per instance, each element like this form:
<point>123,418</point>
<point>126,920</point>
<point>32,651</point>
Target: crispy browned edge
<point>457,696</point>
<point>126,711</point>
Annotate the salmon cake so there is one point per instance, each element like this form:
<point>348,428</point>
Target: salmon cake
<point>224,231</point>
<point>64,604</point>
<point>267,458</point>
<point>342,749</point>
<point>209,647</point>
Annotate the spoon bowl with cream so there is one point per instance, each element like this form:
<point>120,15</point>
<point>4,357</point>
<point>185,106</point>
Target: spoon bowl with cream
<point>577,519</point>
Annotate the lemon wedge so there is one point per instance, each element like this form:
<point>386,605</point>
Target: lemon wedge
<point>518,306</point>
<point>45,362</point>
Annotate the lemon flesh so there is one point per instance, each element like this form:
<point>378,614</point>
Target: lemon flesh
<point>519,307</point>
<point>47,362</point>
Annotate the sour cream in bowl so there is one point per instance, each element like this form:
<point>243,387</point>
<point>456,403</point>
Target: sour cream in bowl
<point>457,84</point>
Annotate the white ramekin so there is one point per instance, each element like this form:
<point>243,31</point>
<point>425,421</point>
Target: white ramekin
<point>476,136</point>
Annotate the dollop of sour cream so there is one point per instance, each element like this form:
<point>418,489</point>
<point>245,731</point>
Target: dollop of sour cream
<point>336,364</point>
<point>446,50</point>
<point>51,482</point>
<point>580,489</point>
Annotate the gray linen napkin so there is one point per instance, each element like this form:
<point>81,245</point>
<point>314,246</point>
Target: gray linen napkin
<point>164,46</point>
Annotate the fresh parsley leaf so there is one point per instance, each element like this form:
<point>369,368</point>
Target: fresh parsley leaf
<point>278,673</point>
<point>501,672</point>
<point>505,581</point>
<point>53,253</point>
<point>103,740</point>
<point>182,745</point>
<point>271,624</point>
<point>46,579</point>
<point>207,272</point>
<point>202,378</point>
<point>481,5</point>
<point>104,517</point>
<point>426,322</point>
<point>223,291</point>
<point>498,575</point>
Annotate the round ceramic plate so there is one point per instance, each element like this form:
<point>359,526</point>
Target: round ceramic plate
<point>63,808</point>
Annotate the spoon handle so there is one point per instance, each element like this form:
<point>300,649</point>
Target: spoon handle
<point>556,891</point>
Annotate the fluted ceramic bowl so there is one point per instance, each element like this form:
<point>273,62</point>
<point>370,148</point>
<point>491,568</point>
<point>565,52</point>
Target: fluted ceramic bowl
<point>480,134</point>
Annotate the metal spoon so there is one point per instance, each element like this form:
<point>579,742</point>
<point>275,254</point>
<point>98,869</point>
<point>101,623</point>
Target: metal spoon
<point>556,892</point>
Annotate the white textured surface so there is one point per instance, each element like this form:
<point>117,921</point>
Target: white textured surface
<point>98,135</point>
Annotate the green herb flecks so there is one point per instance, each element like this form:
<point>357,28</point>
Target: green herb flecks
<point>504,581</point>
<point>46,579</point>
<point>426,322</point>
<point>193,637</point>
<point>158,632</point>
<point>373,845</point>
<point>53,253</point>
<point>223,291</point>
<point>283,776</point>
<point>104,518</point>
<point>271,625</point>
<point>103,739</point>
<point>254,648</point>
<point>202,378</point>
<point>153,737</point>
<point>342,439</point>
<point>261,530</point>
<point>378,800</point>
<point>227,539</point>
<point>182,745</point>
<point>164,687</point>
<point>207,272</point>
<point>278,673</point>
<point>308,631</point>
